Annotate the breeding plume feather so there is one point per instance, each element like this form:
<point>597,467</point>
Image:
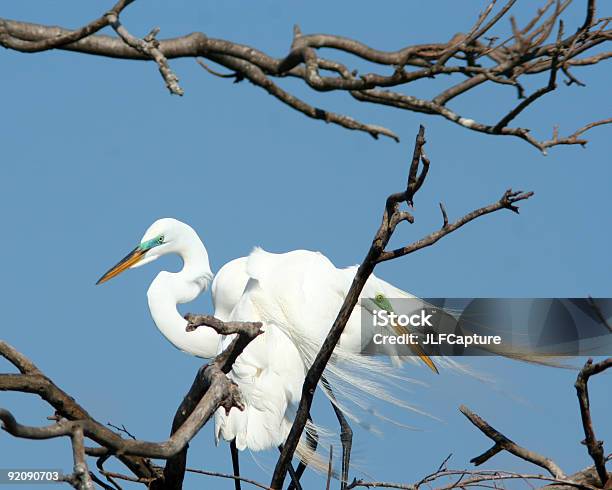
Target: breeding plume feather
<point>296,295</point>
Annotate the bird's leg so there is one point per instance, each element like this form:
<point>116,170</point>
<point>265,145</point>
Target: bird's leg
<point>294,478</point>
<point>313,442</point>
<point>235,463</point>
<point>346,435</point>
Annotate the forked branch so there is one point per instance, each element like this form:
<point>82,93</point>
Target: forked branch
<point>503,443</point>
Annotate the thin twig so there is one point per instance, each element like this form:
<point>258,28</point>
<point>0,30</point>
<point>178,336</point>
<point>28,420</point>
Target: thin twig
<point>122,429</point>
<point>225,475</point>
<point>149,46</point>
<point>214,72</point>
<point>444,215</point>
<point>471,479</point>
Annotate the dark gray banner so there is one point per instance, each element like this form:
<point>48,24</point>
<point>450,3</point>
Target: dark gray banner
<point>486,326</point>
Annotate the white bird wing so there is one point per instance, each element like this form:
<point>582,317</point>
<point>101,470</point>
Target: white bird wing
<point>297,296</point>
<point>301,293</point>
<point>270,374</point>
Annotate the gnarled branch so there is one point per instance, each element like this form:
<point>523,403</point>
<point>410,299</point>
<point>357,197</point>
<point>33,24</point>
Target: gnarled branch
<point>594,447</point>
<point>478,59</point>
<point>211,389</point>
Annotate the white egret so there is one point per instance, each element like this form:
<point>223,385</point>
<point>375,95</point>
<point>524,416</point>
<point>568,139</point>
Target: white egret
<point>296,295</point>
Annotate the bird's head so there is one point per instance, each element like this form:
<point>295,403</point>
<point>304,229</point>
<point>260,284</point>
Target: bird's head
<point>382,302</point>
<point>161,238</point>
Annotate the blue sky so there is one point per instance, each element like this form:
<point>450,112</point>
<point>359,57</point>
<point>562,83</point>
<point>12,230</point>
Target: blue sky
<point>95,150</point>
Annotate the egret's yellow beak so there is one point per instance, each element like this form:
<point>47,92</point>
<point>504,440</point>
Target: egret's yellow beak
<point>415,348</point>
<point>382,302</point>
<point>129,260</point>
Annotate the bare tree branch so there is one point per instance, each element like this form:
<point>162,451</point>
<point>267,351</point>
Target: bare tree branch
<point>149,46</point>
<point>505,202</point>
<point>471,479</point>
<point>231,477</point>
<point>586,476</point>
<point>175,468</point>
<point>574,139</point>
<point>211,389</point>
<point>594,447</point>
<point>392,216</point>
<point>122,429</point>
<point>60,39</point>
<point>102,484</point>
<point>81,471</point>
<point>256,76</point>
<point>477,58</point>
<point>32,380</point>
<point>100,465</point>
<point>503,443</point>
<point>552,85</point>
<point>586,479</point>
<point>216,474</point>
<point>221,392</point>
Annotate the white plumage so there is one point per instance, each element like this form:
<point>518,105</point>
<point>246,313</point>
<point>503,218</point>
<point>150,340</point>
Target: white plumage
<point>296,295</point>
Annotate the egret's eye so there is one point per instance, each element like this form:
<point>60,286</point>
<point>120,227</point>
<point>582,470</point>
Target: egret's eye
<point>160,239</point>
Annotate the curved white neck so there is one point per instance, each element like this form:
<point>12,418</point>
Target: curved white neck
<point>170,288</point>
